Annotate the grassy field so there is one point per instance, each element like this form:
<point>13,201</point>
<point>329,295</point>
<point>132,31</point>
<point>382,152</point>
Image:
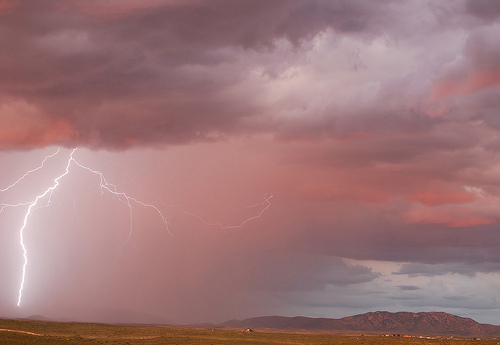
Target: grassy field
<point>40,332</point>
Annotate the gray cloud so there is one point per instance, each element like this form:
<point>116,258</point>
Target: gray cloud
<point>434,249</point>
<point>485,9</point>
<point>408,287</point>
<point>431,270</point>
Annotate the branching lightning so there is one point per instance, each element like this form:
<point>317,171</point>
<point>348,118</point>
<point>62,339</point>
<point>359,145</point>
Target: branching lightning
<point>104,185</point>
<point>265,204</point>
<point>30,171</point>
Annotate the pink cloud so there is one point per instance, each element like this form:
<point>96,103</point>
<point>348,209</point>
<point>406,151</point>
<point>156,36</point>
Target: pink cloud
<point>342,190</point>
<point>451,217</point>
<point>22,125</point>
<point>474,82</point>
<point>58,132</point>
<point>7,5</point>
<point>432,198</point>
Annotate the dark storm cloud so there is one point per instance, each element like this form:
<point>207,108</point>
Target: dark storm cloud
<point>286,271</point>
<point>150,75</point>
<point>408,287</point>
<point>166,73</point>
<point>483,8</point>
<point>433,247</point>
<point>117,77</point>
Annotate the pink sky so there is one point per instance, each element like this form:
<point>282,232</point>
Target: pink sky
<point>374,125</point>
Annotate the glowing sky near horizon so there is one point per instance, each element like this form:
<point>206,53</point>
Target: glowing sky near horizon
<point>374,124</point>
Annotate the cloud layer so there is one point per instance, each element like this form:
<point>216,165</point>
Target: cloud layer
<point>113,76</point>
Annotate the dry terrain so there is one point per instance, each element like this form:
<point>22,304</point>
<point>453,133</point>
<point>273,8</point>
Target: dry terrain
<point>44,332</point>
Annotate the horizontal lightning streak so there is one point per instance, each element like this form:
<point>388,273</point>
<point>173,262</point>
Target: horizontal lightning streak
<point>30,171</point>
<point>266,204</point>
<point>4,206</point>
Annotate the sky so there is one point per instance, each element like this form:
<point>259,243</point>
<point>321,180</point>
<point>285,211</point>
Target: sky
<point>314,158</point>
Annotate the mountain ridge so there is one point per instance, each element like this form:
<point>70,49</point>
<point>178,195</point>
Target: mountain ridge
<point>422,323</point>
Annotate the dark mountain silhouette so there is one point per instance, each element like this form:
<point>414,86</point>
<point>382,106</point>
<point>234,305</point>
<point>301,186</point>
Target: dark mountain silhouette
<point>430,323</point>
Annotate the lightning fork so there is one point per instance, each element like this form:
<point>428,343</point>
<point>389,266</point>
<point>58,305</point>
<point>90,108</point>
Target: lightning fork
<point>104,185</point>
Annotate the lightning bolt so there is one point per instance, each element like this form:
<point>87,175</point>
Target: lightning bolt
<point>104,186</point>
<point>31,205</point>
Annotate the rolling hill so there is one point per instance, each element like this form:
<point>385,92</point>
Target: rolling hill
<point>425,323</point>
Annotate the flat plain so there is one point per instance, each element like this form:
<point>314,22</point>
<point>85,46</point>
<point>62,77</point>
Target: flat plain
<point>42,332</point>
